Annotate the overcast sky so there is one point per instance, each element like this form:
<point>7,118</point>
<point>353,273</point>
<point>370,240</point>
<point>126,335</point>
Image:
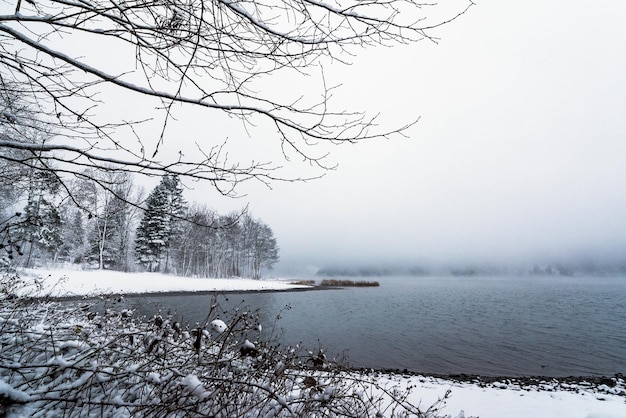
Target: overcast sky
<point>520,153</point>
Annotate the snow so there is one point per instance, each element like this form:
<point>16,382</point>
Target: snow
<point>219,326</point>
<point>501,399</point>
<point>68,282</point>
<point>194,386</point>
<point>154,378</point>
<point>514,401</point>
<point>8,392</point>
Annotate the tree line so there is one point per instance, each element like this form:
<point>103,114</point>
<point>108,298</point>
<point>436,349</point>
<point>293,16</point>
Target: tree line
<point>99,227</point>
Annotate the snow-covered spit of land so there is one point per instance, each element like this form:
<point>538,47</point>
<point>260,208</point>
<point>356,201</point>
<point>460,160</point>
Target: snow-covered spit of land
<point>496,399</point>
<point>75,282</point>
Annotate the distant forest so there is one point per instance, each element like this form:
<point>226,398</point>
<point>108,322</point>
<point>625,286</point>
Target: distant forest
<point>118,227</point>
<point>580,266</point>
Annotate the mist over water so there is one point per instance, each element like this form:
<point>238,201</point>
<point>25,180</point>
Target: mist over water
<point>574,265</point>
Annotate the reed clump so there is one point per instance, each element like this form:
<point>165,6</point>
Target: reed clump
<point>348,283</point>
<point>304,282</point>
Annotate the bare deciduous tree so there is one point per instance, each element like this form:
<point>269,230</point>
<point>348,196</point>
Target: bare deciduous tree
<point>181,55</point>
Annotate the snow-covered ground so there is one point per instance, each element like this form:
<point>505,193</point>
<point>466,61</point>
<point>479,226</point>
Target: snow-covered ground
<point>474,399</point>
<point>68,282</point>
<point>511,400</point>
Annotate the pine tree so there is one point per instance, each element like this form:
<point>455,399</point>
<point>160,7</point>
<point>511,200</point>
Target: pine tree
<point>73,234</point>
<point>159,231</point>
<point>41,227</point>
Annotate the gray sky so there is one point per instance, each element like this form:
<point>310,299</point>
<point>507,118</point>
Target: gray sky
<point>520,153</point>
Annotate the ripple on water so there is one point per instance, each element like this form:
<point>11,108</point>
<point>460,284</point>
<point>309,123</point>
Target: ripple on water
<point>450,325</point>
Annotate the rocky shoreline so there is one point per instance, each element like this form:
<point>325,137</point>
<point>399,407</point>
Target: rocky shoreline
<point>614,385</point>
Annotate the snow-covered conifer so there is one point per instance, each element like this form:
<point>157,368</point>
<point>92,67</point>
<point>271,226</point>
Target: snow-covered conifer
<point>159,229</point>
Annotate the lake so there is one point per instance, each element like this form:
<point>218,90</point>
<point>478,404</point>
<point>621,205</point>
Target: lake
<point>491,326</point>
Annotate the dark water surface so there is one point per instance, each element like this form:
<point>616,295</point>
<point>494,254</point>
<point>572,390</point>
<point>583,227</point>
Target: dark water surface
<point>513,326</point>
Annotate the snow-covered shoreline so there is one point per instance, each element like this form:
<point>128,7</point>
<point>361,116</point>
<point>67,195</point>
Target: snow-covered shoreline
<point>471,397</point>
<point>509,399</point>
<point>64,283</point>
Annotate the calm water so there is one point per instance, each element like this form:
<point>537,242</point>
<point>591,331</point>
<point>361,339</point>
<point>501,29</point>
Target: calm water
<point>553,326</point>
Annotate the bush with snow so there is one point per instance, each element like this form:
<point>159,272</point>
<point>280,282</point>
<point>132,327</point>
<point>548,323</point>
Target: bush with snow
<point>69,360</point>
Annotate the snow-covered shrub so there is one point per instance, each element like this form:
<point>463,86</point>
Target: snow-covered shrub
<point>78,361</point>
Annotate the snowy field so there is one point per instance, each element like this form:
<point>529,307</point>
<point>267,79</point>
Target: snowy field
<point>500,399</point>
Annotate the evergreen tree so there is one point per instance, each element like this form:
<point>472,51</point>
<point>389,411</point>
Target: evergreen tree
<point>29,219</point>
<point>159,231</point>
<point>41,227</point>
<point>73,248</point>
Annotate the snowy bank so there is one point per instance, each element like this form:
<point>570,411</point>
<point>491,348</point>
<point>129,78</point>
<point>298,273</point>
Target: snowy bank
<point>68,282</point>
<point>507,399</point>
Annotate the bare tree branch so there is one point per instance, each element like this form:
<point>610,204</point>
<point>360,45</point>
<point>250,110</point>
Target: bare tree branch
<point>212,55</point>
